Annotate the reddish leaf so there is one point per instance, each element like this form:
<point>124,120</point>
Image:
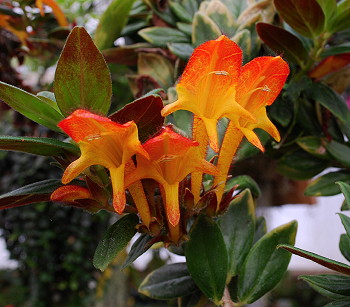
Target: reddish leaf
<point>330,64</point>
<point>282,42</point>
<point>82,79</point>
<point>305,17</point>
<point>145,112</point>
<point>32,193</point>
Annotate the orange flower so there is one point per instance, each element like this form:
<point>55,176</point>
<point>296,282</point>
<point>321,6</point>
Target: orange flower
<point>172,158</point>
<point>215,85</point>
<point>102,142</point>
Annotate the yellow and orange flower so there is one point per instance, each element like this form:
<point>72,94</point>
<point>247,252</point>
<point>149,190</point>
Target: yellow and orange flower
<point>102,142</point>
<point>171,158</point>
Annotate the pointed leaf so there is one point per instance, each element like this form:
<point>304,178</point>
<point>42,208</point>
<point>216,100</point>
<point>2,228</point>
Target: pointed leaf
<point>334,50</point>
<point>161,36</point>
<point>346,223</point>
<point>203,29</point>
<point>282,42</point>
<point>340,152</point>
<point>305,17</point>
<point>141,245</point>
<point>342,20</point>
<point>82,79</point>
<point>206,244</point>
<point>326,262</point>
<point>31,193</point>
<point>145,112</point>
<point>37,146</point>
<point>243,182</point>
<point>237,227</point>
<point>315,146</point>
<point>344,302</point>
<point>116,14</point>
<point>325,184</point>
<point>329,8</point>
<point>337,284</point>
<point>115,240</point>
<point>30,106</point>
<point>182,50</point>
<point>265,264</point>
<point>168,282</point>
<point>344,246</point>
<point>345,189</point>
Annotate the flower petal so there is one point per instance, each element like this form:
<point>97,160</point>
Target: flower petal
<point>117,178</point>
<point>172,203</point>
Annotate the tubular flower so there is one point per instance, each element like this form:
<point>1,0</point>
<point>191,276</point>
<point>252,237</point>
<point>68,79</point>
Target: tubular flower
<point>102,142</point>
<point>172,158</point>
<point>215,85</point>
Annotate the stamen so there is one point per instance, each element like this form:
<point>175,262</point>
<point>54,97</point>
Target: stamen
<point>266,88</point>
<point>92,137</point>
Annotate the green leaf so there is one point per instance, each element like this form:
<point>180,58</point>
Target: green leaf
<point>282,42</point>
<point>305,17</point>
<point>161,36</point>
<point>334,50</point>
<point>333,283</point>
<point>345,189</point>
<point>314,146</point>
<point>37,146</point>
<point>237,227</point>
<point>342,20</point>
<point>180,11</point>
<point>115,240</point>
<point>330,100</point>
<point>185,27</point>
<point>344,302</point>
<point>344,246</point>
<point>329,8</point>
<point>203,29</point>
<point>145,112</point>
<point>206,258</point>
<point>265,265</point>
<point>243,182</point>
<point>30,106</point>
<point>218,12</point>
<point>141,245</point>
<point>260,228</point>
<point>346,223</point>
<point>116,14</point>
<point>82,79</point>
<point>169,281</point>
<point>325,184</point>
<point>31,193</point>
<point>326,262</point>
<point>126,55</point>
<point>299,165</point>
<point>340,152</point>
<point>182,50</point>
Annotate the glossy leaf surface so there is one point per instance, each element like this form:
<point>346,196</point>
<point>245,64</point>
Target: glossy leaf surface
<point>243,182</point>
<point>82,79</point>
<point>325,184</point>
<point>333,283</point>
<point>141,245</point>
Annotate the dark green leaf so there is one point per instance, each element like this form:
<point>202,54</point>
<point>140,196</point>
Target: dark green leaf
<point>145,112</point>
<point>126,55</point>
<point>82,79</point>
<point>161,36</point>
<point>169,281</point>
<point>340,152</point>
<point>329,8</point>
<point>32,193</point>
<point>180,11</point>
<point>30,106</point>
<point>203,29</point>
<point>346,223</point>
<point>344,302</point>
<point>115,240</point>
<point>342,20</point>
<point>334,50</point>
<point>265,264</point>
<point>344,246</point>
<point>185,27</point>
<point>116,14</point>
<point>305,17</point>
<point>237,227</point>
<point>206,257</point>
<point>282,42</point>
<point>141,245</point>
<point>325,184</point>
<point>330,100</point>
<point>182,50</point>
<point>300,165</point>
<point>314,146</point>
<point>243,182</point>
<point>345,189</point>
<point>333,283</point>
<point>37,146</point>
<point>326,262</point>
<point>260,228</point>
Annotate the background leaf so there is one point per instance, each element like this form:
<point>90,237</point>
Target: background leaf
<point>345,189</point>
<point>167,282</point>
<point>82,79</point>
<point>115,240</point>
<point>206,258</point>
<point>30,106</point>
<point>243,182</point>
<point>203,29</point>
<point>116,14</point>
<point>161,36</point>
<point>265,265</point>
<point>344,245</point>
<point>325,184</point>
<point>337,284</point>
<point>140,246</point>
